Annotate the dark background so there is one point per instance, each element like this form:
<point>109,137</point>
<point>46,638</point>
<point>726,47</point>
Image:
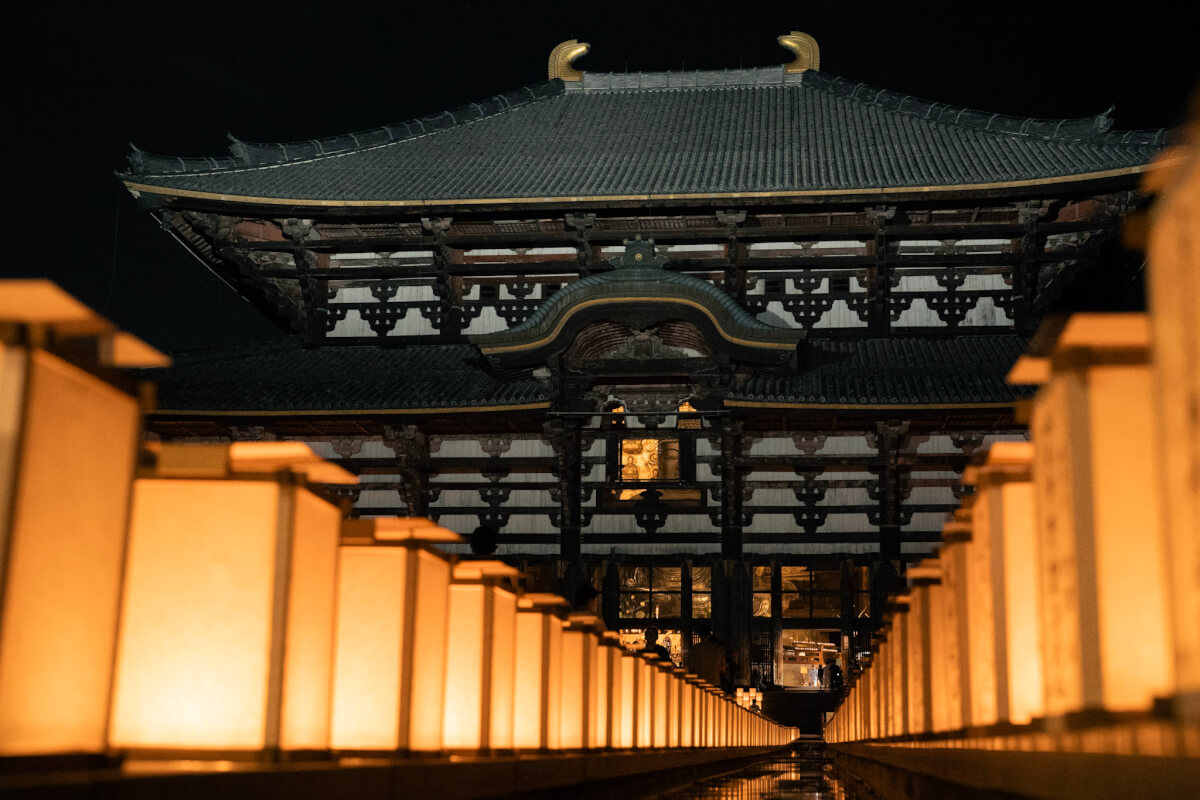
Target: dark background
<point>175,77</point>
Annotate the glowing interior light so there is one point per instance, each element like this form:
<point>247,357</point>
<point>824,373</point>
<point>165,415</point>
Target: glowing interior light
<point>68,442</point>
<point>227,618</point>
<point>390,648</point>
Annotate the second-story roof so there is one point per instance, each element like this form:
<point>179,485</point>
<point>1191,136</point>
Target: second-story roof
<point>762,132</point>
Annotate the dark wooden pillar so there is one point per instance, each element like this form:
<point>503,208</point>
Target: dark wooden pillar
<point>1025,273</point>
<point>879,314</point>
<point>893,478</point>
<point>731,489</point>
<point>564,436</point>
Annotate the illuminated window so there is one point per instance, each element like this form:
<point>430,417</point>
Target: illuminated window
<point>701,592</point>
<point>647,466</point>
<point>651,593</point>
<point>689,417</point>
<point>761,583</point>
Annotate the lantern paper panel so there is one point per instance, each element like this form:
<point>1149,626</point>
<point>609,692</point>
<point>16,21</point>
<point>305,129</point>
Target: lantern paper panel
<point>216,572</point>
<point>67,446</point>
<point>1174,254</point>
<point>538,672</point>
<point>389,663</point>
<point>478,707</point>
<point>1094,473</point>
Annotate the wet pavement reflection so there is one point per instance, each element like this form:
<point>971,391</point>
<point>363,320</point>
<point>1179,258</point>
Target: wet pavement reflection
<point>803,773</point>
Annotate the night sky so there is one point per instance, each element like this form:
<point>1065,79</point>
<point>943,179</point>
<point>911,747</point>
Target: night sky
<point>176,77</point>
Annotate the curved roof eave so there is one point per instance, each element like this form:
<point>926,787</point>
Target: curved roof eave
<point>810,195</point>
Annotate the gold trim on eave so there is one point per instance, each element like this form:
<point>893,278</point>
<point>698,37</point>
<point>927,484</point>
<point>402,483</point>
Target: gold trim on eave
<point>649,198</point>
<point>868,406</point>
<point>553,334</point>
<point>164,412</point>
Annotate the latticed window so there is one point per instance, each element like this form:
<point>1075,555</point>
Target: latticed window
<point>651,468</point>
<point>651,592</point>
<point>809,593</point>
<point>762,591</point>
<point>701,592</point>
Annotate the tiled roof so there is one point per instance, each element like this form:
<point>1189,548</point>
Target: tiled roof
<point>754,130</point>
<point>896,371</point>
<point>284,376</point>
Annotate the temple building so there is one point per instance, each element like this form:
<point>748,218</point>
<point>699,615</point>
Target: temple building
<point>718,345</point>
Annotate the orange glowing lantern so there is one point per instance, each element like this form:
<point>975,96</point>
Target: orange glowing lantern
<point>921,576</point>
<point>390,648</point>
<point>478,708</point>
<point>68,442</point>
<point>612,684</point>
<point>579,697</point>
<point>1174,252</point>
<point>538,671</point>
<point>1106,638</point>
<point>1005,625</point>
<point>900,677</point>
<point>659,723</point>
<point>228,612</point>
<point>693,712</point>
<point>626,721</point>
<point>645,702</point>
<point>686,709</point>
<point>949,636</point>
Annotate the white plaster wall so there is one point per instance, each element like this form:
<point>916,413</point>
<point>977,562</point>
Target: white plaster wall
<point>919,315</point>
<point>923,495</point>
<point>986,312</point>
<point>927,521</point>
<point>812,548</point>
<point>840,316</point>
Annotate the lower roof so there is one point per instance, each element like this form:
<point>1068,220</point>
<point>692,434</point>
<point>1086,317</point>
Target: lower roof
<point>283,377</point>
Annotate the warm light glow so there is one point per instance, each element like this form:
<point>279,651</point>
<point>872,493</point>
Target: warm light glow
<point>1094,474</point>
<point>389,661</point>
<point>538,671</point>
<point>580,674</point>
<point>478,708</point>
<point>626,723</point>
<point>1005,534</point>
<point>1174,253</point>
<point>227,617</point>
<point>611,684</point>
<point>67,445</point>
<point>645,702</point>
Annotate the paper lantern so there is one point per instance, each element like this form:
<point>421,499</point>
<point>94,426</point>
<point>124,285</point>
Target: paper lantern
<point>227,617</point>
<point>580,672</point>
<point>898,689</point>
<point>645,702</point>
<point>920,646</point>
<point>68,441</point>
<point>660,719</point>
<point>390,646</point>
<point>627,726</point>
<point>538,671</point>
<point>690,732</point>
<point>478,707</point>
<point>1106,637</point>
<point>949,671</point>
<point>612,682</point>
<point>1174,254</point>
<point>1006,625</point>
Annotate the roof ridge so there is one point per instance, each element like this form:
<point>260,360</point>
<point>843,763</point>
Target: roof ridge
<point>1095,128</point>
<point>247,154</point>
